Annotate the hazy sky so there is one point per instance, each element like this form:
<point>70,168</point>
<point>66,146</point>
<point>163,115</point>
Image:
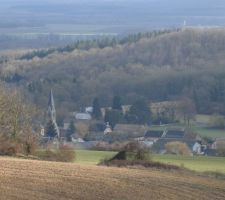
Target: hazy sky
<point>110,15</point>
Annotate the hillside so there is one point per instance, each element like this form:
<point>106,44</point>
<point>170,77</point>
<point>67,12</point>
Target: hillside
<point>25,179</point>
<point>178,63</point>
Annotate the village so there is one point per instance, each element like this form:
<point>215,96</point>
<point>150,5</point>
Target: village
<point>93,129</point>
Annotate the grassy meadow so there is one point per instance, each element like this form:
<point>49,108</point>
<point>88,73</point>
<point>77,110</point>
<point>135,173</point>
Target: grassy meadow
<point>213,133</point>
<point>202,129</point>
<point>92,157</point>
<point>196,163</point>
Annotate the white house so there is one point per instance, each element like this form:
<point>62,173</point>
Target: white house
<point>197,148</point>
<point>108,129</point>
<point>83,116</point>
<point>89,109</point>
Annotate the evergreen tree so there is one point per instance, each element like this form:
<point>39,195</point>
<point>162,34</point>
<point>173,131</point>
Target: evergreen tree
<point>139,113</point>
<point>51,129</point>
<point>117,105</point>
<point>113,117</point>
<point>97,114</point>
<point>70,131</point>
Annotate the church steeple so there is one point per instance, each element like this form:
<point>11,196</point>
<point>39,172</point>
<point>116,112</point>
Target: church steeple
<point>51,107</point>
<point>52,129</point>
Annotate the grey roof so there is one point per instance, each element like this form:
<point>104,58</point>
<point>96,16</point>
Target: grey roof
<point>154,134</point>
<point>175,134</point>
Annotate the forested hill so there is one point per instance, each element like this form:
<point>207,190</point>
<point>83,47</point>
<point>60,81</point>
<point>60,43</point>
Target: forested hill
<point>167,66</point>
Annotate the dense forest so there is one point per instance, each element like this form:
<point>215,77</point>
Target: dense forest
<point>166,65</point>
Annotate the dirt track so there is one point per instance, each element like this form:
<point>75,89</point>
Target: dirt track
<point>37,180</point>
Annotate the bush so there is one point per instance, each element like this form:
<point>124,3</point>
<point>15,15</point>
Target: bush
<point>178,148</point>
<point>132,151</point>
<point>63,154</point>
<point>137,151</point>
<point>142,163</point>
<point>221,151</point>
<point>8,148</point>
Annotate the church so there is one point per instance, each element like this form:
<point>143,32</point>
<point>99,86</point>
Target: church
<point>51,128</point>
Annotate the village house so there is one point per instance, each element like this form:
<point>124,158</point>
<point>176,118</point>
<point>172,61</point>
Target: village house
<point>83,116</point>
<point>219,143</point>
<point>131,130</point>
<point>153,134</point>
<point>108,129</point>
<point>198,148</point>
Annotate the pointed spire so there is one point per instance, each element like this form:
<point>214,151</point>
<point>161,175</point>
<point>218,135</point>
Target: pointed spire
<point>51,107</point>
<point>52,114</point>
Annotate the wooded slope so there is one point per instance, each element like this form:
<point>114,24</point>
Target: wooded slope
<point>164,67</point>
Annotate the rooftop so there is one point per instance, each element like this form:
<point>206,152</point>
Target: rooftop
<point>154,134</point>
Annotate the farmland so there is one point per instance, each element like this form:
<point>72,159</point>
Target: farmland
<point>48,180</point>
<point>92,157</point>
<point>197,163</point>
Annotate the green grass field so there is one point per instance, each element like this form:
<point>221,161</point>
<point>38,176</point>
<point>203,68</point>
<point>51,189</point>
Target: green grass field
<point>197,163</point>
<point>92,157</point>
<point>203,131</point>
<point>213,133</point>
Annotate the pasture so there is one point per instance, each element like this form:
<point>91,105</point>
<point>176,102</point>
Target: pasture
<point>38,180</point>
<point>92,157</point>
<point>196,163</point>
<point>213,133</point>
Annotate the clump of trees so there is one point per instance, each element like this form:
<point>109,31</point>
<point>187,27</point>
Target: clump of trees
<point>133,151</point>
<point>97,113</point>
<point>70,131</point>
<point>138,113</point>
<point>17,133</point>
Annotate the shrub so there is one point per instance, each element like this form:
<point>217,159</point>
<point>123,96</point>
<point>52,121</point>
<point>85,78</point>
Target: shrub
<point>178,148</point>
<point>142,163</point>
<point>66,154</point>
<point>221,151</point>
<point>63,154</point>
<point>133,151</point>
<point>11,147</point>
<point>137,151</point>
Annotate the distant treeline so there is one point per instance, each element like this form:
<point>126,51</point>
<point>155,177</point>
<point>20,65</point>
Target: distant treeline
<point>94,43</point>
<point>186,63</point>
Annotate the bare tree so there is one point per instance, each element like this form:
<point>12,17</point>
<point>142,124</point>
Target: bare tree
<point>16,130</point>
<point>187,110</point>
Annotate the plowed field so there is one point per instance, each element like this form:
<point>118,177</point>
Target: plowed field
<point>39,180</point>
